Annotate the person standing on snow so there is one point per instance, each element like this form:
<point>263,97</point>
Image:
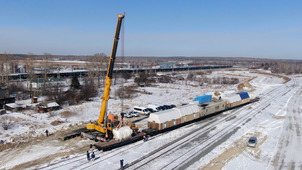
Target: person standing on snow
<point>88,156</point>
<point>122,115</point>
<point>93,156</point>
<point>46,132</point>
<point>122,163</point>
<point>145,138</point>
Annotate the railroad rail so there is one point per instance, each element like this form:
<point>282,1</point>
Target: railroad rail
<point>205,143</point>
<point>174,145</point>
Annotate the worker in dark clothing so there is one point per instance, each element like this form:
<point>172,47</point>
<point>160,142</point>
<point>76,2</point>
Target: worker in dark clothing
<point>122,163</point>
<point>88,156</point>
<point>91,146</point>
<point>46,132</point>
<point>106,136</point>
<point>145,138</point>
<point>92,156</point>
<point>122,114</point>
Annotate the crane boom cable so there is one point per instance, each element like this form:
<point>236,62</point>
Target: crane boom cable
<point>122,54</point>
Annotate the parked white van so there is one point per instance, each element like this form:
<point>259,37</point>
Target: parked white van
<point>141,110</point>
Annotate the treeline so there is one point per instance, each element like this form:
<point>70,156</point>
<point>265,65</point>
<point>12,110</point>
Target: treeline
<point>286,67</point>
<point>281,67</point>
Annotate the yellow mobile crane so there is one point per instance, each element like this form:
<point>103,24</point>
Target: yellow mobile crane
<point>106,123</point>
<point>102,124</point>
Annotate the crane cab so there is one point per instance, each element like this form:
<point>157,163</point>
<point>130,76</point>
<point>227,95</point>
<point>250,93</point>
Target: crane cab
<point>113,121</point>
<point>112,118</point>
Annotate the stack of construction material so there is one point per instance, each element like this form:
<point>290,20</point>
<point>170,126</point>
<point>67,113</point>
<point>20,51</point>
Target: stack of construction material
<point>204,99</point>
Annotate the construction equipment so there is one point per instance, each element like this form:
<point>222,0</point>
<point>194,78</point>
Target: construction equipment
<point>107,123</point>
<point>108,127</point>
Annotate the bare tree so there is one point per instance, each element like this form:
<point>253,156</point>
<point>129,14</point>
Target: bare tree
<point>190,76</point>
<point>125,92</point>
<point>101,64</point>
<point>46,67</point>
<point>126,75</point>
<point>141,78</point>
<point>97,63</point>
<point>29,65</point>
<point>165,79</point>
<point>88,90</point>
<point>20,89</point>
<point>6,67</point>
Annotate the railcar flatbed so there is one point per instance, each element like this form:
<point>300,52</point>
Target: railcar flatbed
<point>105,146</point>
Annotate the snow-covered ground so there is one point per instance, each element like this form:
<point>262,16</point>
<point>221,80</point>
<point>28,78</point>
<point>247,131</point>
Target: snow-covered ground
<point>277,128</point>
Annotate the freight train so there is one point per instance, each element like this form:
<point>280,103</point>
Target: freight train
<point>179,116</point>
<point>166,120</point>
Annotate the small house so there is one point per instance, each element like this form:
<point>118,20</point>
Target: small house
<point>48,106</point>
<point>15,106</point>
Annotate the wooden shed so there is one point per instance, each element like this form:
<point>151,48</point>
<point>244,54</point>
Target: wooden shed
<point>48,106</point>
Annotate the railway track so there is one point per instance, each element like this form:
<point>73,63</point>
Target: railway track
<point>205,143</point>
<point>78,160</point>
<point>78,163</point>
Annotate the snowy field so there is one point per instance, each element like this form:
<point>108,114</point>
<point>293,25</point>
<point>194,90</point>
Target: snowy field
<point>275,121</point>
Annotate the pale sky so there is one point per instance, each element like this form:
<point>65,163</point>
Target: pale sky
<point>233,28</point>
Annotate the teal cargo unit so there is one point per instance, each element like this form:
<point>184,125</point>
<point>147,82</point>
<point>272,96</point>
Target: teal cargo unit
<point>204,99</point>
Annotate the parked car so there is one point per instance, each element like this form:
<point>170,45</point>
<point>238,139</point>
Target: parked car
<point>151,110</point>
<point>159,108</point>
<point>252,142</point>
<point>128,115</point>
<point>167,107</point>
<point>153,107</point>
<point>141,110</point>
<point>2,111</point>
<point>134,114</point>
<point>172,105</point>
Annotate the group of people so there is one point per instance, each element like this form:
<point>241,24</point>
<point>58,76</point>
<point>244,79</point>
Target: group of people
<point>92,156</point>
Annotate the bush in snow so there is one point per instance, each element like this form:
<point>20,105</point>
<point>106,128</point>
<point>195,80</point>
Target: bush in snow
<point>6,122</point>
<point>125,92</point>
<point>56,122</point>
<point>66,114</point>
